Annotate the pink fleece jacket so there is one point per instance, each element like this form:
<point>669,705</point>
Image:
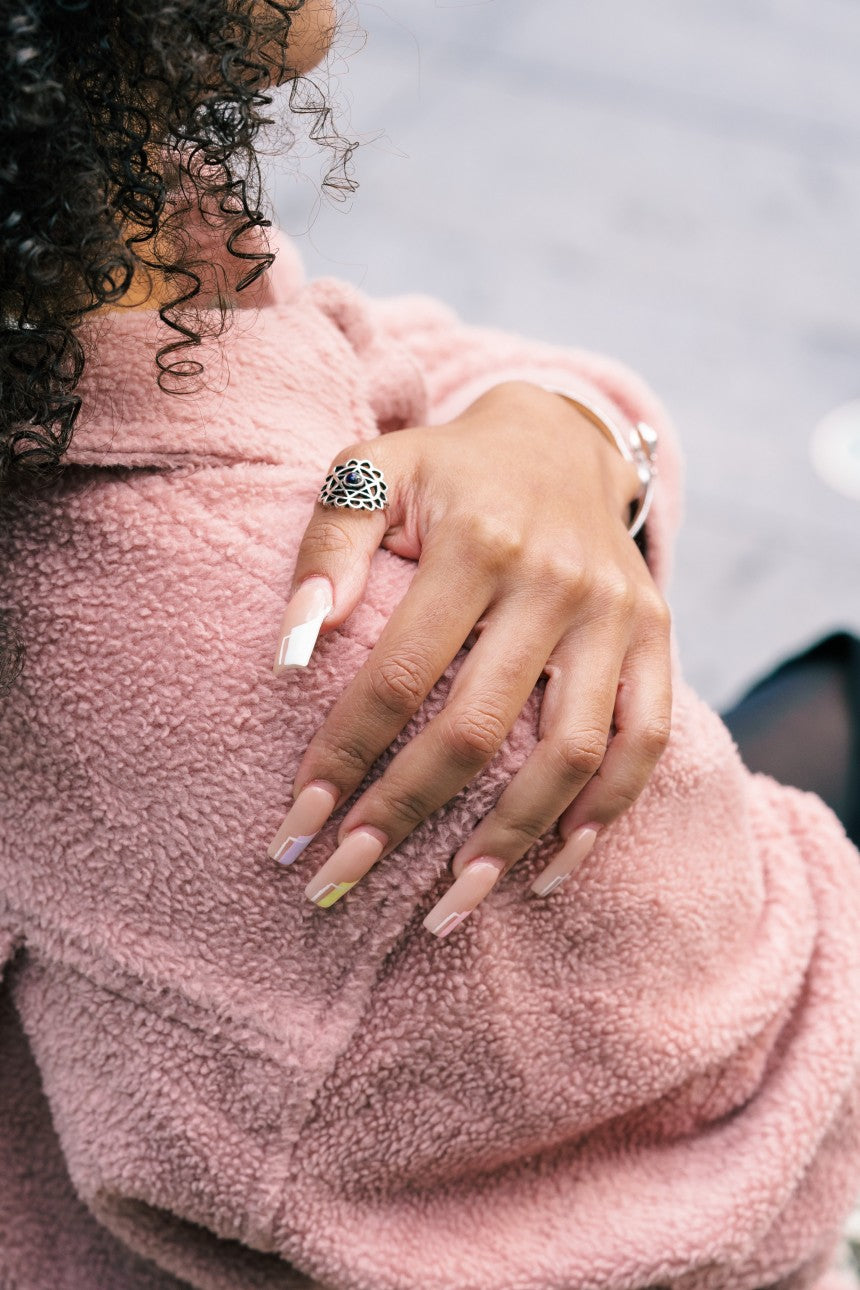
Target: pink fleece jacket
<point>649,1079</point>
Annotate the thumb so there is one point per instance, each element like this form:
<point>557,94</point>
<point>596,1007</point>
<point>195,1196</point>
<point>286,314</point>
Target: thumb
<point>333,563</point>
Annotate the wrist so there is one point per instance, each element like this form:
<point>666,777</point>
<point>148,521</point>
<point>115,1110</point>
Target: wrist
<point>618,469</point>
<point>625,460</point>
<point>635,445</point>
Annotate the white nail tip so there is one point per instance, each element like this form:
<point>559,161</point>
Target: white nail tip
<point>296,649</point>
<point>448,924</point>
<point>550,887</point>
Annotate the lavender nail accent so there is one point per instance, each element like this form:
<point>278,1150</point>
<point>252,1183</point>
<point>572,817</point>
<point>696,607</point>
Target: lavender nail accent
<point>292,848</point>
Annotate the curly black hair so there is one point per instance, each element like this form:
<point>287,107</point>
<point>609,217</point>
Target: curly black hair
<point>117,119</point>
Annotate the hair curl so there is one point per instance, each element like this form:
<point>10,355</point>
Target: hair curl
<point>118,119</point>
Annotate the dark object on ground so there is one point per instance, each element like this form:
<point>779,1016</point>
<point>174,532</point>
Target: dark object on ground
<point>801,724</point>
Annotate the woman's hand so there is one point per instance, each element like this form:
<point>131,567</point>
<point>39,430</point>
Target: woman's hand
<point>517,515</point>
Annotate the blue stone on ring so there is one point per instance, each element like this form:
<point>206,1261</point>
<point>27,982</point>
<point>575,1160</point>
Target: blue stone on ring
<point>357,485</point>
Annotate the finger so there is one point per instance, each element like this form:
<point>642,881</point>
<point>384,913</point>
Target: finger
<point>451,749</point>
<point>423,634</point>
<point>575,721</point>
<point>332,566</point>
<point>643,717</point>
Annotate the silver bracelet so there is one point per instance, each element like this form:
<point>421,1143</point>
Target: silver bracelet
<point>637,445</point>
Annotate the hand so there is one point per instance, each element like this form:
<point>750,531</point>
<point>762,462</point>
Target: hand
<point>517,514</point>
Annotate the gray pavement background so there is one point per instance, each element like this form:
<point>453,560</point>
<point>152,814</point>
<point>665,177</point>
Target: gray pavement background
<point>676,183</point>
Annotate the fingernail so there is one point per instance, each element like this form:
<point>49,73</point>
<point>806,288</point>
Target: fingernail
<point>356,854</point>
<point>568,860</point>
<point>478,877</point>
<point>303,617</point>
<point>303,822</point>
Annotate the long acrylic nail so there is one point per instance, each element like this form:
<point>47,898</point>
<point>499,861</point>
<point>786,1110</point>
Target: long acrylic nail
<point>568,860</point>
<point>303,617</point>
<point>303,822</point>
<point>358,852</point>
<point>478,877</point>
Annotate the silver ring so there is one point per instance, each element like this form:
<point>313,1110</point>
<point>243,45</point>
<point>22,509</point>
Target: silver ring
<point>356,485</point>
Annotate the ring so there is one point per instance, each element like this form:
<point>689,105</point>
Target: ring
<point>357,485</point>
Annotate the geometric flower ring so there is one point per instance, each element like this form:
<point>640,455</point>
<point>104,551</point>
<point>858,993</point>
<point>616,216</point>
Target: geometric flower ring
<point>356,485</point>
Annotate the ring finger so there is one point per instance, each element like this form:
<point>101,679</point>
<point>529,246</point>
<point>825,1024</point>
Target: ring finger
<point>491,688</point>
<point>576,718</point>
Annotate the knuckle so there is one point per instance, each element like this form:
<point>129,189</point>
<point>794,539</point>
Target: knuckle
<point>342,761</point>
<point>522,831</point>
<point>618,597</point>
<point>326,537</point>
<point>564,576</point>
<point>651,740</point>
<point>491,540</point>
<point>659,613</point>
<point>581,755</point>
<point>475,736</point>
<point>624,796</point>
<point>408,807</point>
<point>398,683</point>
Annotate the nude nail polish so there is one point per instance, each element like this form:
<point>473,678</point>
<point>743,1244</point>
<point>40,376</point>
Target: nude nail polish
<point>303,822</point>
<point>358,852</point>
<point>568,860</point>
<point>473,884</point>
<point>303,617</point>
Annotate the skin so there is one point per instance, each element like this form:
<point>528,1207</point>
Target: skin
<point>312,30</point>
<point>311,34</point>
<point>553,586</point>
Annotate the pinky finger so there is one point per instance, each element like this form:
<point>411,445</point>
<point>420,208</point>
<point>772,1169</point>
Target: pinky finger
<point>643,715</point>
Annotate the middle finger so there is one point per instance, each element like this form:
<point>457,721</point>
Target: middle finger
<point>491,688</point>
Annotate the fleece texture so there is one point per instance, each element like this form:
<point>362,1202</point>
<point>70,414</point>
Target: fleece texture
<point>649,1079</point>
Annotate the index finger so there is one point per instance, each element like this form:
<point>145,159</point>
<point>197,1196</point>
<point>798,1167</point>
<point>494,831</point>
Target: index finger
<point>423,635</point>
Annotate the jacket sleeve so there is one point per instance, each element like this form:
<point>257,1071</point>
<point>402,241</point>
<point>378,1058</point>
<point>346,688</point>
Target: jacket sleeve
<point>460,362</point>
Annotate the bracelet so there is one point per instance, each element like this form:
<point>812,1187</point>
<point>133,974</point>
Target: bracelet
<point>638,445</point>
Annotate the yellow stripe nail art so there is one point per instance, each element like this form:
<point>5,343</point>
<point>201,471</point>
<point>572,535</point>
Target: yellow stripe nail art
<point>331,892</point>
